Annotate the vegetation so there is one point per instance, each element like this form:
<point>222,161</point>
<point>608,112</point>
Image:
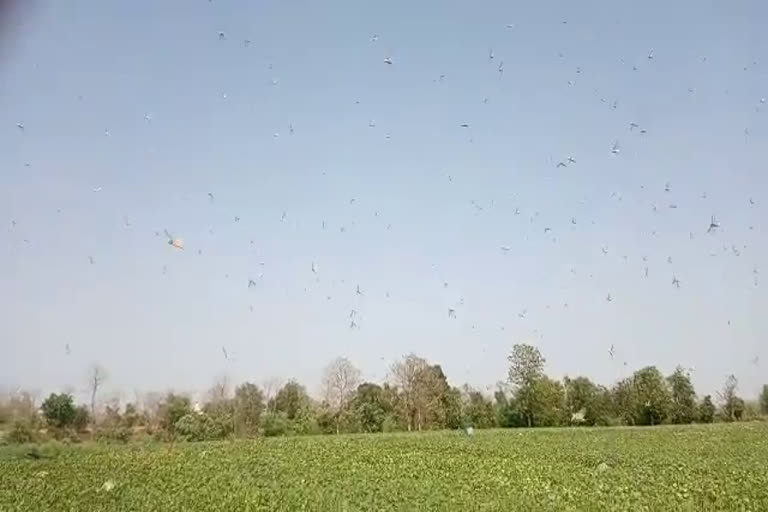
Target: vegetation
<point>712,467</point>
<point>416,397</point>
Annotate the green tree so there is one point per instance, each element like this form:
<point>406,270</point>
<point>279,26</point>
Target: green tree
<point>526,368</point>
<point>652,396</point>
<point>370,407</point>
<point>395,419</point>
<point>248,408</point>
<point>438,405</point>
<point>683,397</point>
<point>706,410</point>
<point>426,401</point>
<point>507,413</point>
<point>171,410</point>
<point>478,411</point>
<point>587,400</point>
<point>548,406</point>
<point>59,410</point>
<point>763,400</point>
<point>292,400</point>
<point>452,408</point>
<point>625,401</point>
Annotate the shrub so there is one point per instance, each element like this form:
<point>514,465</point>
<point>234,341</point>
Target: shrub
<point>59,410</point>
<point>65,434</point>
<point>201,427</point>
<point>114,434</point>
<point>21,433</point>
<point>275,424</point>
<point>81,419</point>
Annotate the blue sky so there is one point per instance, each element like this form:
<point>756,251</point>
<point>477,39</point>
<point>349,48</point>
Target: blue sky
<point>144,101</point>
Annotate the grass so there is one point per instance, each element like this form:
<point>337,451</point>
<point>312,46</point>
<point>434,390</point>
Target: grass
<point>716,467</point>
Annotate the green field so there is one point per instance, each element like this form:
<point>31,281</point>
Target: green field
<point>716,467</point>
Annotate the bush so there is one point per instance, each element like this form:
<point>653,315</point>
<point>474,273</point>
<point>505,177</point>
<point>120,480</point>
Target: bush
<point>114,435</point>
<point>21,433</point>
<point>59,410</point>
<point>275,424</point>
<point>172,410</point>
<point>65,434</point>
<point>390,424</point>
<point>81,419</point>
<point>201,427</point>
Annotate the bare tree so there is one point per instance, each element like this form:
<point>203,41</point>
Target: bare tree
<point>271,386</point>
<point>220,390</point>
<point>407,375</point>
<point>96,377</point>
<point>731,405</point>
<point>340,380</point>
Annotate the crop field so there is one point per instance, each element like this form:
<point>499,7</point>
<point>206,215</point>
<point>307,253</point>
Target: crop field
<point>718,467</point>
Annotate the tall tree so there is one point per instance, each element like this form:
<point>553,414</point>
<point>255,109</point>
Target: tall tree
<point>271,386</point>
<point>706,410</point>
<point>763,400</point>
<point>292,399</point>
<point>437,406</point>
<point>587,400</point>
<point>548,405</point>
<point>220,391</point>
<point>406,375</point>
<point>526,368</point>
<point>477,410</point>
<point>370,407</point>
<point>683,397</point>
<point>249,404</point>
<point>340,380</point>
<point>96,377</point>
<point>729,401</point>
<point>625,401</point>
<point>652,396</point>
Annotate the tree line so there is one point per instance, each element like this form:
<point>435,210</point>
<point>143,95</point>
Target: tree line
<point>416,396</point>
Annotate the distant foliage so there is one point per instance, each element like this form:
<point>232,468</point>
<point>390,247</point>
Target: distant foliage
<point>417,396</point>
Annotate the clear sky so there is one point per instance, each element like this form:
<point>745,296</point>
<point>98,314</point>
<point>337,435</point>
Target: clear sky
<point>133,112</point>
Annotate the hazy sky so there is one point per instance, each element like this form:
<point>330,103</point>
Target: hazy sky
<point>132,112</point>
